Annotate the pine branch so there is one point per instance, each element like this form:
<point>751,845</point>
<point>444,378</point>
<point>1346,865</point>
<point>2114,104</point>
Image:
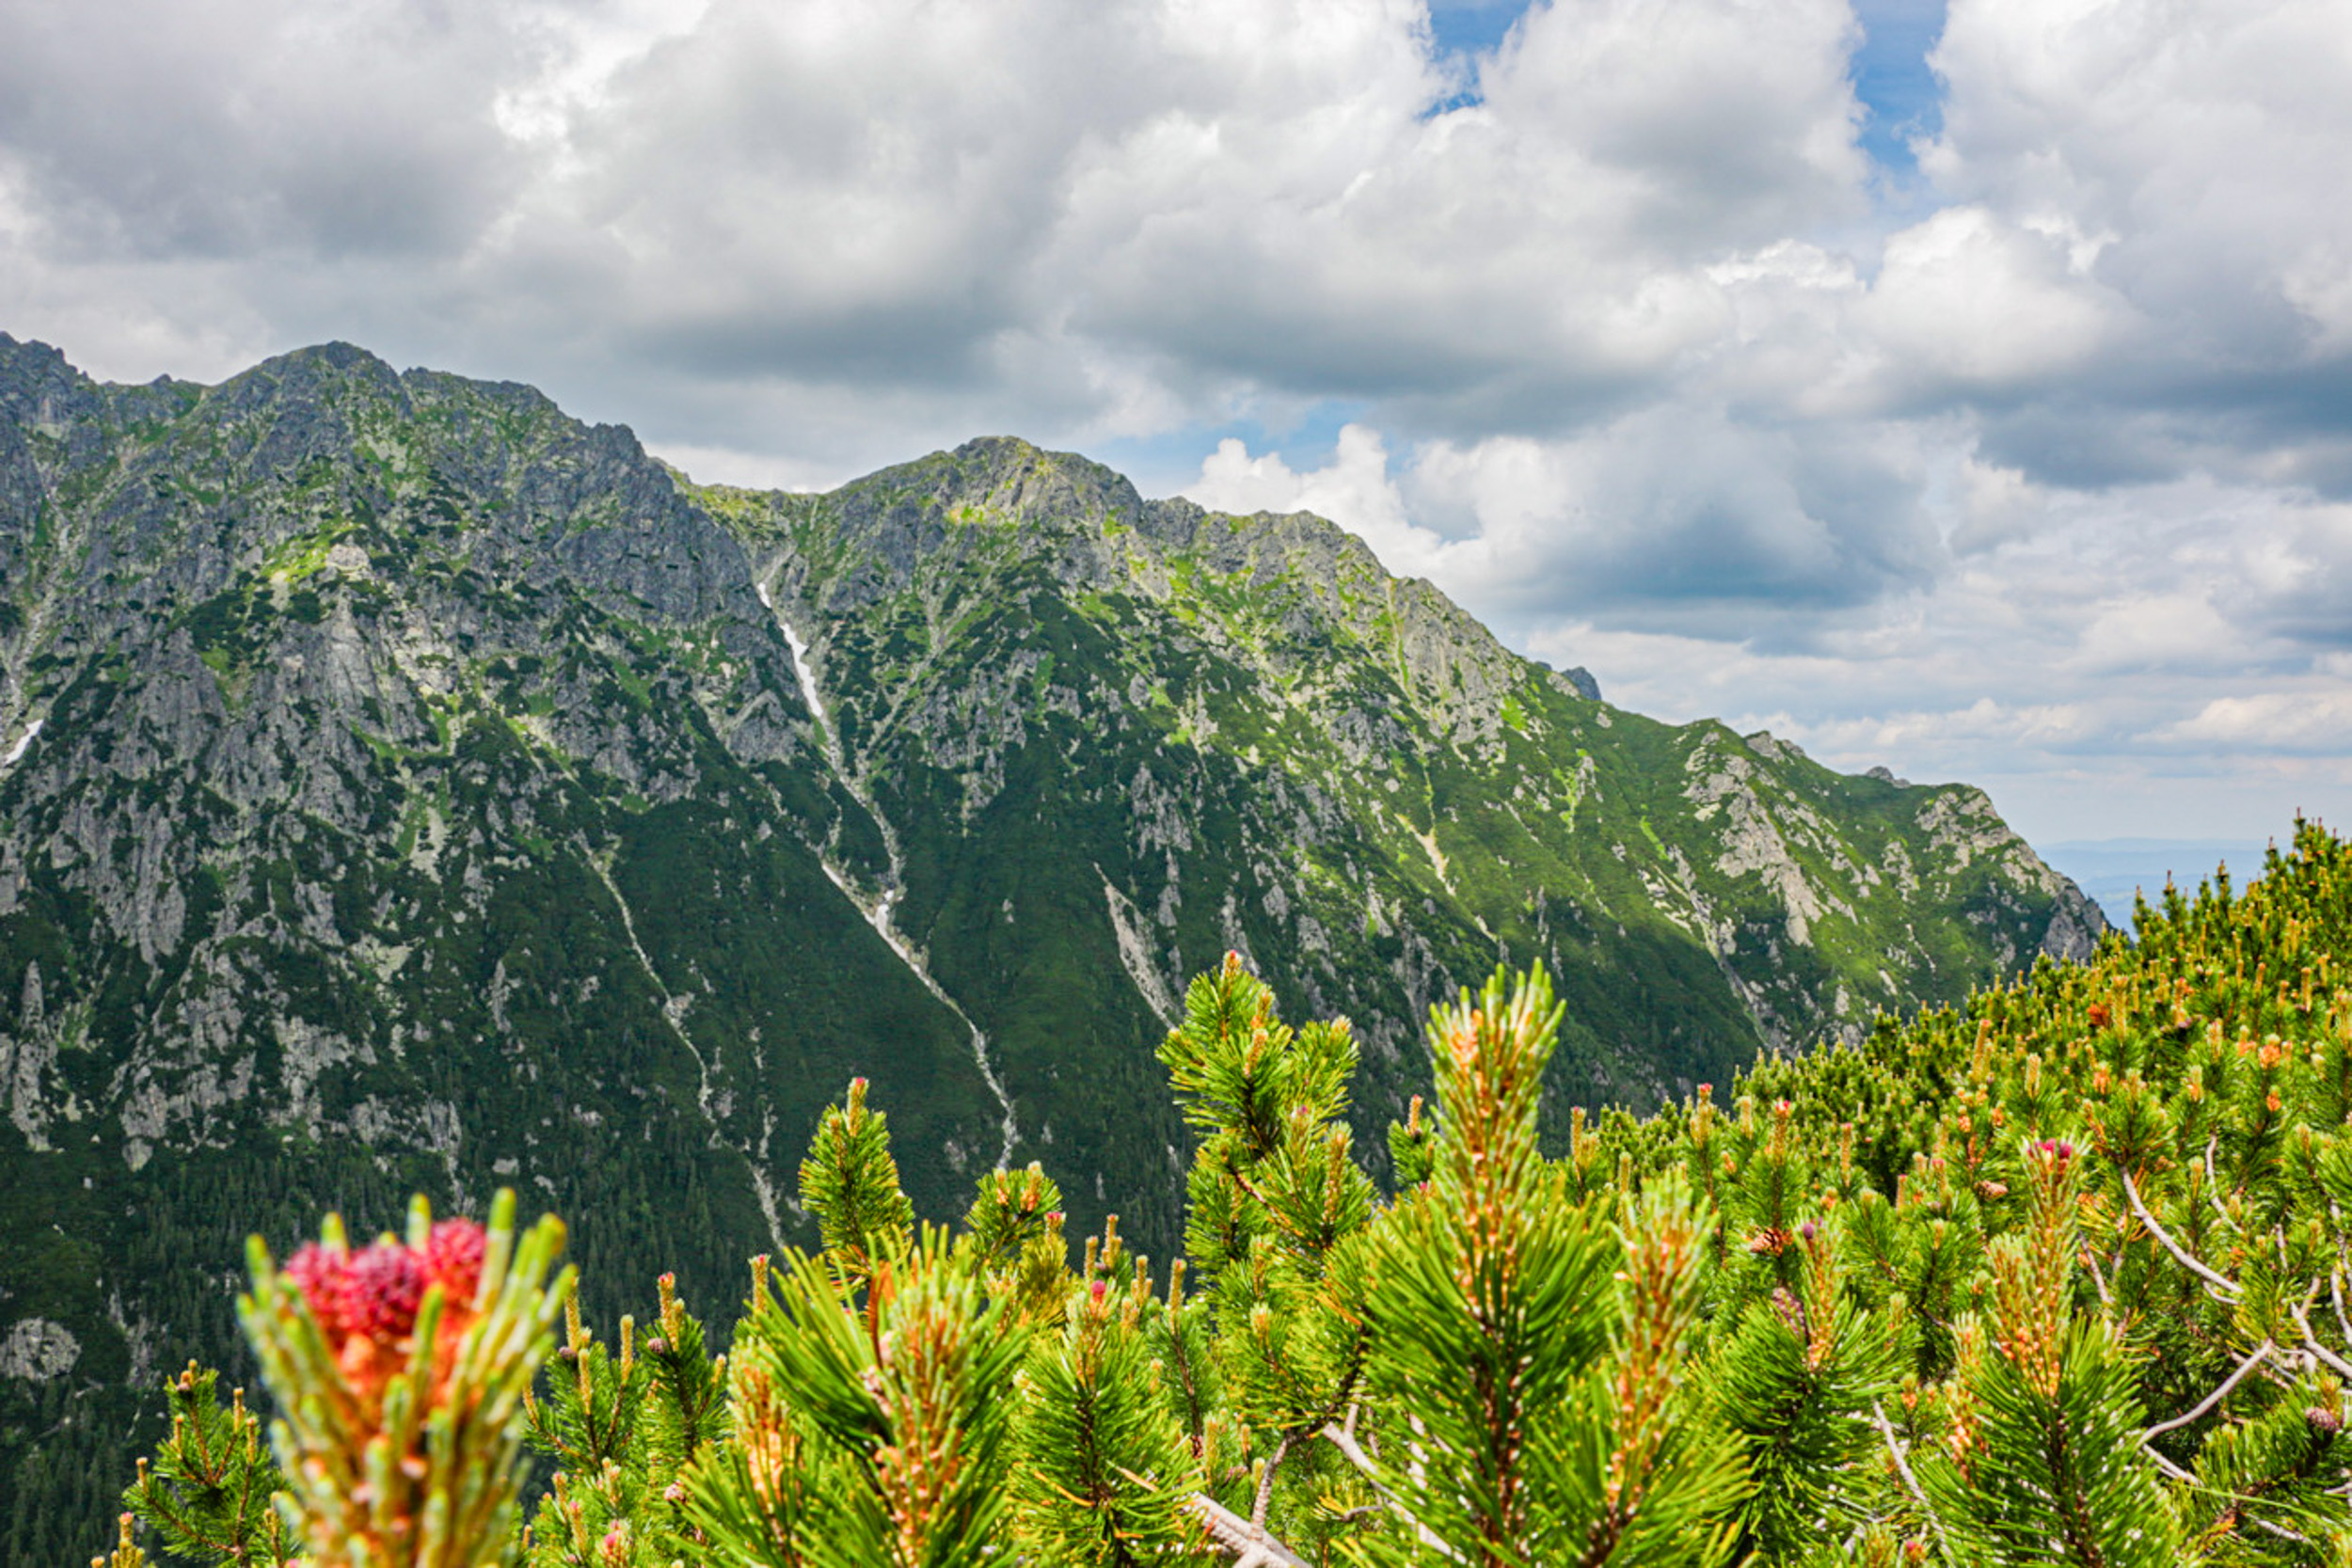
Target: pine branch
<point>1353,1451</point>
<point>1345,1440</point>
<point>1266,1485</point>
<point>2098,1279</point>
<point>2279,1530</point>
<point>2212,1183</point>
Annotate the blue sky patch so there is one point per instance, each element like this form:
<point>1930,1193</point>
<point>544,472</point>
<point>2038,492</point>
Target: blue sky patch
<point>1462,31</point>
<point>1471,26</point>
<point>1166,463</point>
<point>1900,95</point>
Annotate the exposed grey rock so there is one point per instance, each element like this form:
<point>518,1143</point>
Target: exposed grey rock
<point>37,1349</point>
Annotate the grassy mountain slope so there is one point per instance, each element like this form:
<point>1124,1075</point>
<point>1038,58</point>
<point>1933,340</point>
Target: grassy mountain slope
<point>1136,734</point>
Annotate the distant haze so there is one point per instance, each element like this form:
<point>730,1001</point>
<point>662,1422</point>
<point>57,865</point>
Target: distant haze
<point>2112,870</point>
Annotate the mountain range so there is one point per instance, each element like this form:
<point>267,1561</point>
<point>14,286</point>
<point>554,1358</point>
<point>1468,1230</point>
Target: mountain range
<point>407,786</point>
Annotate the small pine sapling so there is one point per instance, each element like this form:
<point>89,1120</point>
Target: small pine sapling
<point>871,1391</point>
<point>1242,1078</point>
<point>1769,1198</point>
<point>1102,1468</point>
<point>1669,1476</point>
<point>126,1553</point>
<point>868,1431</point>
<point>1277,1231</point>
<point>849,1182</point>
<point>1796,1381</point>
<point>1013,1238</point>
<point>759,1499</point>
<point>2044,1463</point>
<point>1183,1345</point>
<point>624,1431</point>
<point>1412,1147</point>
<point>587,1423</point>
<point>1010,1210</point>
<point>1541,1416</point>
<point>686,1407</point>
<point>209,1491</point>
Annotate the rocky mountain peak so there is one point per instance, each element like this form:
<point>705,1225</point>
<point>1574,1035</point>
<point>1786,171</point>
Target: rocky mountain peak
<point>999,517</point>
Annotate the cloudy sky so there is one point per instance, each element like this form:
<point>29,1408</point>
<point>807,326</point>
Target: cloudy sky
<point>1965,388</point>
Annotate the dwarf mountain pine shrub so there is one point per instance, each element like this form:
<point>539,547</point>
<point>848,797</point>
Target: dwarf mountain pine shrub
<point>2057,1276</point>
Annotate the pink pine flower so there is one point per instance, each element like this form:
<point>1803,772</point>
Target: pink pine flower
<point>385,1287</point>
<point>452,1259</point>
<point>324,1277</point>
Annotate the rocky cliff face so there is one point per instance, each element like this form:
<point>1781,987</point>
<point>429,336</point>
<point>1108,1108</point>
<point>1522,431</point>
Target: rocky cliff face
<point>1254,737</point>
<point>407,786</point>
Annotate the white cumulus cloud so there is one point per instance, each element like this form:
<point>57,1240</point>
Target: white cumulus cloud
<point>1632,348</point>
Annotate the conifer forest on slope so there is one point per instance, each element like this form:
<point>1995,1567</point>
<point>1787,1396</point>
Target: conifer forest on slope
<point>2056,1276</point>
<point>405,786</point>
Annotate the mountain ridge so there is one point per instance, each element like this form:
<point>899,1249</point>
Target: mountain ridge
<point>409,788</point>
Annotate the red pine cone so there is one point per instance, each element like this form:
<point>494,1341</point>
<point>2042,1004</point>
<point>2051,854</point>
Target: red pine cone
<point>324,1277</point>
<point>385,1284</point>
<point>452,1259</point>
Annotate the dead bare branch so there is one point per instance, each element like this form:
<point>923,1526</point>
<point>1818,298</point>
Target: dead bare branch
<point>1902,1469</point>
<point>2228,1291</point>
<point>2301,1313</point>
<point>1251,1546</point>
<point>2255,1359</point>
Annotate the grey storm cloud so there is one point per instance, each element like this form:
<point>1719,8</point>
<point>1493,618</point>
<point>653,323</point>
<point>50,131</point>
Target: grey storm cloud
<point>1776,525</point>
<point>220,132</point>
<point>1225,198</point>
